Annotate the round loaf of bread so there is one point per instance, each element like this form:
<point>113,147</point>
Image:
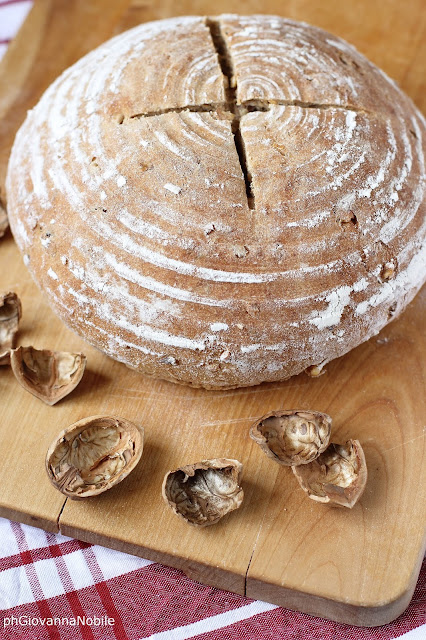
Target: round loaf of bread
<point>222,201</point>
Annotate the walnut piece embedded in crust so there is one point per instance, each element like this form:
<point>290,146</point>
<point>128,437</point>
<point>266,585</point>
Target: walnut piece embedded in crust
<point>202,493</point>
<point>48,375</point>
<point>292,437</point>
<point>4,222</point>
<point>10,315</point>
<point>338,476</point>
<point>93,455</point>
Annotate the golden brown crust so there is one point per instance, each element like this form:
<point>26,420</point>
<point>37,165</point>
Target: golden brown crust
<point>140,229</point>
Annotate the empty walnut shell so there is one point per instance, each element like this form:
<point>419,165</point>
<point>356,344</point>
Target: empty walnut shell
<point>292,437</point>
<point>338,476</point>
<point>93,455</point>
<point>10,314</point>
<point>202,493</point>
<point>48,375</point>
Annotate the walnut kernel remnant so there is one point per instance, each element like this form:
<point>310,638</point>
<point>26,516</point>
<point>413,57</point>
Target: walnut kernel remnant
<point>388,271</point>
<point>292,437</point>
<point>48,375</point>
<point>316,370</point>
<point>202,493</point>
<point>10,315</point>
<point>338,476</point>
<point>93,455</point>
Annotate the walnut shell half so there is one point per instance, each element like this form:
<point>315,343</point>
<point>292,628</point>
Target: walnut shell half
<point>202,493</point>
<point>93,455</point>
<point>338,476</point>
<point>10,315</point>
<point>48,375</point>
<point>292,437</point>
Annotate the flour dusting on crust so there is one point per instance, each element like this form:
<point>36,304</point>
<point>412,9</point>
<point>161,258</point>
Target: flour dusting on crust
<point>222,230</point>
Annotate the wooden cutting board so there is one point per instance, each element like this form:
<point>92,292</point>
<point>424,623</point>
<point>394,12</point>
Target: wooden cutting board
<point>357,566</point>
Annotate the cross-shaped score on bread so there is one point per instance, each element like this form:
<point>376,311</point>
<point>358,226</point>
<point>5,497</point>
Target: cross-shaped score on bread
<point>231,105</point>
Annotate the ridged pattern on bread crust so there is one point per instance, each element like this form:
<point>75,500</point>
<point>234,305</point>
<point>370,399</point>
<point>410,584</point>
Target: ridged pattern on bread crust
<point>127,196</point>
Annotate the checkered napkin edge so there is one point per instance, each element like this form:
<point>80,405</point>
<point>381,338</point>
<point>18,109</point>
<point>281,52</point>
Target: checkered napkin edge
<point>54,588</point>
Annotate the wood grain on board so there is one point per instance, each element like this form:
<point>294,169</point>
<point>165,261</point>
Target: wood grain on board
<point>356,566</point>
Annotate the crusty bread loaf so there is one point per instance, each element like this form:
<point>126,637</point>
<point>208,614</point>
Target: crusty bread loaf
<point>222,201</point>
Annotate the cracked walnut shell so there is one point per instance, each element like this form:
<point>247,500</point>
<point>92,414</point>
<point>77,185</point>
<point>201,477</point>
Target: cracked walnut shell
<point>10,315</point>
<point>202,493</point>
<point>292,437</point>
<point>48,375</point>
<point>93,455</point>
<point>338,476</point>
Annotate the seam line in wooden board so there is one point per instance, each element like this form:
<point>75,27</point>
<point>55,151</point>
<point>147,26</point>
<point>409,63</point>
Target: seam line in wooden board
<point>19,515</point>
<point>60,513</point>
<point>198,571</point>
<point>254,549</point>
<point>149,554</point>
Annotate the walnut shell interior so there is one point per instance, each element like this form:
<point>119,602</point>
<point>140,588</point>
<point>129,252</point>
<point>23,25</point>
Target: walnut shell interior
<point>93,455</point>
<point>10,315</point>
<point>202,493</point>
<point>338,476</point>
<point>48,375</point>
<point>292,437</point>
<point>5,358</point>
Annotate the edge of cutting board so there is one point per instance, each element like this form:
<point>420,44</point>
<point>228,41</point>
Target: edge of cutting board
<point>95,21</point>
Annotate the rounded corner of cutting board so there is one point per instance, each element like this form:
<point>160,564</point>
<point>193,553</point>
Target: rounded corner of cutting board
<point>371,613</point>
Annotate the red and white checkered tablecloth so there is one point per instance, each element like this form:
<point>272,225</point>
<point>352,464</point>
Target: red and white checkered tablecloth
<point>109,595</point>
<point>56,588</point>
